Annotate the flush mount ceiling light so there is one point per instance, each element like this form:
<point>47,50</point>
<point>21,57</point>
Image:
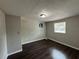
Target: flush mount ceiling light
<point>42,15</point>
<point>45,13</point>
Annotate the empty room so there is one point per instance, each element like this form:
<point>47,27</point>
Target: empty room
<point>39,29</point>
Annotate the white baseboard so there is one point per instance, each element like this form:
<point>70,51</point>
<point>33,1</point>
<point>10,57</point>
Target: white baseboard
<point>26,43</point>
<point>33,40</point>
<point>64,43</point>
<point>15,52</point>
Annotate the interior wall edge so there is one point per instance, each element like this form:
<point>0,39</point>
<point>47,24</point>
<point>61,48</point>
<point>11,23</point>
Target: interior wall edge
<point>3,40</point>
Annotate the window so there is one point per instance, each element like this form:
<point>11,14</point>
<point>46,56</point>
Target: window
<point>60,27</point>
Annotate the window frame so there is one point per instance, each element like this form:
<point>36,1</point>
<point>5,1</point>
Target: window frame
<point>56,30</point>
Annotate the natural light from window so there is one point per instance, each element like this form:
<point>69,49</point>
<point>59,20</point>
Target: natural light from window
<point>56,54</point>
<point>60,27</point>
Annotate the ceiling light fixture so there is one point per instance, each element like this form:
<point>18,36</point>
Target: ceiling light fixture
<point>43,15</point>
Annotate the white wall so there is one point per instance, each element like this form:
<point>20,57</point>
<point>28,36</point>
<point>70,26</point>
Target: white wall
<point>30,30</point>
<point>13,24</point>
<point>3,45</point>
<point>71,37</point>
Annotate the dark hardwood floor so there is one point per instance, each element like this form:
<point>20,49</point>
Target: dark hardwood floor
<point>45,49</point>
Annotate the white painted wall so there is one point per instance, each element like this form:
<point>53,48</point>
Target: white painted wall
<point>13,24</point>
<point>3,45</point>
<point>71,37</point>
<point>30,30</point>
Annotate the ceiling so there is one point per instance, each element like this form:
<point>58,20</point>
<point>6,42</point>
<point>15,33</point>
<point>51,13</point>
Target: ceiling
<point>55,9</point>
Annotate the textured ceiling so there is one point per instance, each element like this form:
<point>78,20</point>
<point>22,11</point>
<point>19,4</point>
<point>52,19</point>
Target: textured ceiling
<point>55,9</point>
